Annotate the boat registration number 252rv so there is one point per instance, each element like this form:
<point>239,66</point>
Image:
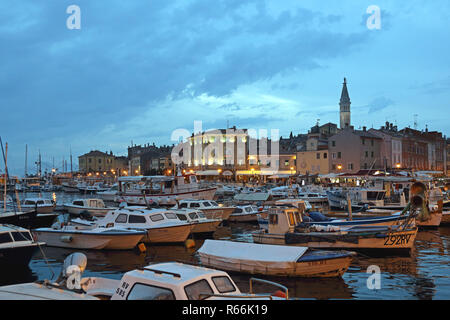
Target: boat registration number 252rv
<point>391,240</point>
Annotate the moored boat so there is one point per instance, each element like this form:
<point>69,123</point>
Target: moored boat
<point>96,207</point>
<point>274,260</point>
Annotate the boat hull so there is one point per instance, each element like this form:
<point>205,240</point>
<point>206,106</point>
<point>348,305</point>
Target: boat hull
<point>174,234</point>
<point>445,218</point>
<point>205,227</point>
<point>250,217</point>
<point>308,269</point>
<point>73,240</point>
<point>17,257</point>
<point>433,222</point>
<point>98,212</point>
<point>382,240</point>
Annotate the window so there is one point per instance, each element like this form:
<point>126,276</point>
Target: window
<point>122,218</point>
<point>333,155</point>
<point>170,215</point>
<point>371,154</point>
<point>182,217</point>
<point>317,155</point>
<point>21,236</point>
<point>223,284</point>
<point>273,219</point>
<point>333,167</point>
<point>40,202</point>
<point>193,216</point>
<point>339,155</point>
<point>183,205</point>
<point>333,143</point>
<point>147,292</point>
<point>99,161</point>
<point>286,163</point>
<point>298,217</point>
<point>206,204</point>
<point>363,141</point>
<point>237,210</point>
<point>325,155</point>
<point>365,165</point>
<point>367,154</point>
<point>78,203</point>
<point>194,290</point>
<point>156,217</point>
<point>5,237</point>
<point>371,142</point>
<point>194,205</point>
<point>136,219</point>
<point>350,166</point>
<point>214,204</point>
<point>291,218</point>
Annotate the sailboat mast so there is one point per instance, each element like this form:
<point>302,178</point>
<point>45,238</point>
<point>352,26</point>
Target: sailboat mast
<point>26,160</point>
<point>6,176</point>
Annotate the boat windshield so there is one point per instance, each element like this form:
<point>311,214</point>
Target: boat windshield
<point>142,291</point>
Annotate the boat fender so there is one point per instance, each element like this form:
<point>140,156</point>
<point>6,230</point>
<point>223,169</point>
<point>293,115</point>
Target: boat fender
<point>66,239</point>
<point>189,243</point>
<point>279,293</point>
<point>142,248</point>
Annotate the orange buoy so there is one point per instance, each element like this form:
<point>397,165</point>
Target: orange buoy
<point>142,247</point>
<point>190,243</point>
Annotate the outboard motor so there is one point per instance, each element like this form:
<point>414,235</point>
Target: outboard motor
<point>419,201</point>
<point>73,267</point>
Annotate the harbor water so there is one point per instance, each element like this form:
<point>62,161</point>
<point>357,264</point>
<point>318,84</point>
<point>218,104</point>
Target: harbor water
<point>424,274</point>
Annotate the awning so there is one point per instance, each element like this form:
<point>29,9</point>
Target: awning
<point>251,251</point>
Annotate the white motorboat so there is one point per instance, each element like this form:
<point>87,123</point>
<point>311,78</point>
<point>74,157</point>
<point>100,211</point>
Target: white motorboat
<point>210,208</point>
<point>16,246</point>
<point>109,194</point>
<point>76,237</point>
<point>162,225</point>
<point>164,190</point>
<point>161,281</point>
<point>96,207</point>
<point>39,204</point>
<point>201,224</point>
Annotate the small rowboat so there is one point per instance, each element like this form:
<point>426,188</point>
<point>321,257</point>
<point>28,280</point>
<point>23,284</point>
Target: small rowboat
<point>274,260</point>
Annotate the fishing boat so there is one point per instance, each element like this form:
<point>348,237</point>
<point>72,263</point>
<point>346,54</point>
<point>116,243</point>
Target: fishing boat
<point>76,237</point>
<point>210,208</point>
<point>27,219</point>
<point>274,260</point>
<point>282,230</point>
<point>201,225</point>
<point>16,246</point>
<point>164,190</point>
<point>246,213</point>
<point>161,225</point>
<point>39,204</point>
<point>159,281</point>
<point>94,206</point>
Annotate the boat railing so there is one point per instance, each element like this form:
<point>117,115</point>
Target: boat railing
<point>203,296</point>
<point>286,290</point>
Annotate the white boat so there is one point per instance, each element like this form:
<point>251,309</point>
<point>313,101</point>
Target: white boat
<point>164,190</point>
<point>161,281</point>
<point>246,213</point>
<point>161,225</point>
<point>76,237</point>
<point>16,246</point>
<point>210,208</point>
<point>274,260</point>
<point>39,204</point>
<point>109,194</point>
<point>92,188</point>
<point>70,187</point>
<point>200,223</point>
<point>96,207</point>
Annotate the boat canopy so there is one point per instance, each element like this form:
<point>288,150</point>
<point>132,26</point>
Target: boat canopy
<point>251,251</point>
<point>155,179</point>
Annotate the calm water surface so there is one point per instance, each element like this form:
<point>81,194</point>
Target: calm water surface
<point>425,274</point>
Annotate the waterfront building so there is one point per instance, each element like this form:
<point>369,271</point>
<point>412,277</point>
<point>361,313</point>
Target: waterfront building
<point>97,161</point>
<point>391,146</point>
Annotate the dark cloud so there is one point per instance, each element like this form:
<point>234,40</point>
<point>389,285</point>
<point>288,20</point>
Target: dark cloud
<point>379,104</point>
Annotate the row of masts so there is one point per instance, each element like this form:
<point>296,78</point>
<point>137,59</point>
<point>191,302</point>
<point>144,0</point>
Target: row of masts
<point>38,163</point>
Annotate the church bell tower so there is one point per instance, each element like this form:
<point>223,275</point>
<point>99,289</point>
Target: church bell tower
<point>344,105</point>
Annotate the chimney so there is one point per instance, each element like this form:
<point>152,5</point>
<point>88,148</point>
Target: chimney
<point>364,128</point>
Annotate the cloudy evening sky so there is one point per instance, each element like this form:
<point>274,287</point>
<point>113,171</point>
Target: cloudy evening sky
<point>137,70</point>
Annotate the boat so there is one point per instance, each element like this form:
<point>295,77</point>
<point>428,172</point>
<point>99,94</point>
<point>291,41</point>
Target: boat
<point>337,200</point>
<point>27,219</point>
<point>39,204</point>
<point>16,246</point>
<point>161,225</point>
<point>109,194</point>
<point>210,208</point>
<point>445,220</point>
<point>92,188</point>
<point>93,206</point>
<point>164,190</point>
<point>159,281</point>
<point>70,187</point>
<point>274,260</point>
<point>76,237</point>
<point>246,213</point>
<point>201,225</point>
<point>282,230</point>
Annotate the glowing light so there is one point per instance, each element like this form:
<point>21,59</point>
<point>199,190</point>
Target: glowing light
<point>339,167</point>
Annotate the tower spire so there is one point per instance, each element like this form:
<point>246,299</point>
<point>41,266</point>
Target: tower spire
<point>344,105</point>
